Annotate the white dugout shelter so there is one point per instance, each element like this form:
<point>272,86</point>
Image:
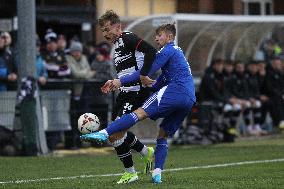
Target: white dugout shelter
<point>205,37</point>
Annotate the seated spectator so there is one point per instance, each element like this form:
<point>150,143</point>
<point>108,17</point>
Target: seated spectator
<point>254,98</point>
<point>56,64</point>
<point>212,85</point>
<point>274,84</point>
<point>7,67</point>
<point>239,91</point>
<point>228,70</point>
<point>265,101</point>
<point>213,90</point>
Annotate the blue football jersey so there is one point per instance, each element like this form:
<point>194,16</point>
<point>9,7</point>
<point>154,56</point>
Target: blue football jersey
<point>175,69</point>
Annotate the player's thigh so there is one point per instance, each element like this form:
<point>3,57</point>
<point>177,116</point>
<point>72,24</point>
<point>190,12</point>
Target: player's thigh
<point>163,103</point>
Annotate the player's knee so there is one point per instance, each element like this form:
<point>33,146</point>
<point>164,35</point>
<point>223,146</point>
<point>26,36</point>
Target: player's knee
<point>116,136</point>
<point>162,134</point>
<point>141,114</point>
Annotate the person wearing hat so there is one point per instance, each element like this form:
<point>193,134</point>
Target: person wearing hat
<point>57,68</point>
<point>80,67</point>
<point>56,64</point>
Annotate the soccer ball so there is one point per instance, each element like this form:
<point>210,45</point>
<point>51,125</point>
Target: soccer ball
<point>88,123</point>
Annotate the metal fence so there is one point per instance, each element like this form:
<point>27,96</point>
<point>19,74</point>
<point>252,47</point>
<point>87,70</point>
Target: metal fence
<point>55,108</point>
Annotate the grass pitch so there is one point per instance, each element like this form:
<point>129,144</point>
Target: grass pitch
<point>95,170</point>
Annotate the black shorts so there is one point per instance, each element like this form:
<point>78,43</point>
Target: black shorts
<point>128,102</point>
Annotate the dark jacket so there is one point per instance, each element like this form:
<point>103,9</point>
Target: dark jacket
<point>274,83</point>
<point>253,85</point>
<point>6,67</point>
<point>212,87</point>
<point>238,86</point>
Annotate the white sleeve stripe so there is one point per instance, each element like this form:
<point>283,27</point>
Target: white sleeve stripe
<point>149,101</point>
<point>139,59</point>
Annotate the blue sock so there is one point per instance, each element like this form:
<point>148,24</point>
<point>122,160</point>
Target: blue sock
<point>125,122</point>
<point>161,153</point>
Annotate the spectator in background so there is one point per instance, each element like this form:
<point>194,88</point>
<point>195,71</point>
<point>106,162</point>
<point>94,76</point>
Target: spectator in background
<point>263,93</point>
<point>239,90</point>
<point>8,41</point>
<point>268,50</point>
<point>7,67</point>
<point>274,84</point>
<point>90,50</point>
<point>107,48</point>
<point>80,70</point>
<point>61,43</point>
<point>102,66</point>
<point>212,85</point>
<point>56,64</point>
<point>57,68</point>
<point>254,98</point>
<point>41,72</point>
<point>228,70</point>
<point>79,65</point>
<point>213,90</point>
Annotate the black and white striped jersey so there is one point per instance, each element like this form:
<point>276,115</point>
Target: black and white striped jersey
<point>127,59</point>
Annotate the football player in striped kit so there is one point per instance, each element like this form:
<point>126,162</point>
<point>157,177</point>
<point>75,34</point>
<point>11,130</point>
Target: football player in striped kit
<point>130,52</point>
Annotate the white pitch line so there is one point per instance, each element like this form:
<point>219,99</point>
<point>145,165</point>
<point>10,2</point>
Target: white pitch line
<point>119,174</point>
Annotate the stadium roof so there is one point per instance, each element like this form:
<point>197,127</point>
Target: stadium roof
<point>205,37</point>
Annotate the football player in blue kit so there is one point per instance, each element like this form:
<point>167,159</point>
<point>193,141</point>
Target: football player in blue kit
<point>173,99</point>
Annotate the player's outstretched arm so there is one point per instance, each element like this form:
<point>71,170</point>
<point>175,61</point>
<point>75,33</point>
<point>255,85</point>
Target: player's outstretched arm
<point>161,59</point>
<point>133,42</point>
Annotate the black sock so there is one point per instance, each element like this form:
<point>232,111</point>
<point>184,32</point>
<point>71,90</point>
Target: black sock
<point>246,116</point>
<point>133,142</point>
<point>123,151</point>
<point>257,116</point>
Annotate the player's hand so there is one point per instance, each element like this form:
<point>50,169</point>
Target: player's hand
<point>107,87</point>
<point>146,81</point>
<point>116,84</point>
<point>12,77</point>
<point>42,80</point>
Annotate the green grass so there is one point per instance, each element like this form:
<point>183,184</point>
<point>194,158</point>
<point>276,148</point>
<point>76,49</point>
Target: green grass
<point>261,175</point>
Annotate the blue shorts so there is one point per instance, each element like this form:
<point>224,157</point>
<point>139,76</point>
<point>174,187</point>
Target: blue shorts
<point>170,104</point>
